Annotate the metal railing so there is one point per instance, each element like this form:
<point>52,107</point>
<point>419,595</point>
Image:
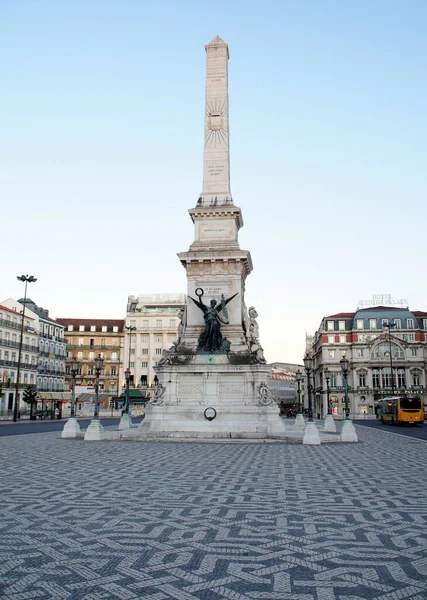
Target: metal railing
<point>44,371</point>
<point>14,363</point>
<point>17,326</point>
<point>13,344</point>
<point>89,347</point>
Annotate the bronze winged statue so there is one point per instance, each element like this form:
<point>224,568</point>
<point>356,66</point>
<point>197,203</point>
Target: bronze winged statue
<point>211,338</point>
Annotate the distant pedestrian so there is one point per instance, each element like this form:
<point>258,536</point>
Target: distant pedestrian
<point>56,413</point>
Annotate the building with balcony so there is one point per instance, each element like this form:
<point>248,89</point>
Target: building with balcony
<point>151,326</point>
<point>52,352</point>
<point>387,351</point>
<point>86,339</point>
<point>10,338</point>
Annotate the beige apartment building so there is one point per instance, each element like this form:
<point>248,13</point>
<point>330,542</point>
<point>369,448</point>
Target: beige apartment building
<point>86,340</point>
<point>151,326</point>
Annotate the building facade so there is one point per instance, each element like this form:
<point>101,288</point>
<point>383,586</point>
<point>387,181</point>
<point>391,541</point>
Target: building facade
<point>10,338</point>
<point>284,388</point>
<point>151,327</point>
<point>86,340</point>
<point>387,351</point>
<point>52,350</point>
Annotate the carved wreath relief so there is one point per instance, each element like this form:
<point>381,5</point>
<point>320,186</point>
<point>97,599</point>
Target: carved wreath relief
<point>265,397</point>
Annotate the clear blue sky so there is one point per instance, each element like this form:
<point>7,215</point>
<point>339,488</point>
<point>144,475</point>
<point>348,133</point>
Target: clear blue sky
<point>101,141</point>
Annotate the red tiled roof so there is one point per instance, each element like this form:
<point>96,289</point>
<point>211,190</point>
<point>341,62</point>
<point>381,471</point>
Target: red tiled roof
<point>419,313</point>
<point>14,312</point>
<point>341,316</point>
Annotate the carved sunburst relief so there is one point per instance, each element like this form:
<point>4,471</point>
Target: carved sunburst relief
<point>216,124</point>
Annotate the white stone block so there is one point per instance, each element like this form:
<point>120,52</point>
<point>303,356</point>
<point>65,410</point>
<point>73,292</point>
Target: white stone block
<point>71,428</point>
<point>311,434</point>
<point>330,424</point>
<point>348,432</point>
<point>95,431</point>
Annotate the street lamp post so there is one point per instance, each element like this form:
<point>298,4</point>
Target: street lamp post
<point>95,429</point>
<point>311,434</point>
<point>327,379</point>
<point>344,367</point>
<point>308,363</point>
<point>298,378</point>
<point>71,427</point>
<point>99,362</point>
<point>389,326</point>
<point>299,421</point>
<point>126,421</point>
<point>28,279</point>
<point>348,432</point>
<point>329,419</point>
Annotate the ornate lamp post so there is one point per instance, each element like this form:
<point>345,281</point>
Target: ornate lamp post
<point>389,326</point>
<point>127,377</point>
<point>311,435</point>
<point>99,363</point>
<point>308,364</point>
<point>298,378</point>
<point>327,379</point>
<point>71,427</point>
<point>299,421</point>
<point>344,368</point>
<point>28,279</point>
<point>126,421</point>
<point>329,419</point>
<point>348,432</point>
<point>95,429</point>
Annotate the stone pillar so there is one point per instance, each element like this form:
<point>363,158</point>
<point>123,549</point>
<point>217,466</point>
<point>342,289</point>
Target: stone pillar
<point>216,163</point>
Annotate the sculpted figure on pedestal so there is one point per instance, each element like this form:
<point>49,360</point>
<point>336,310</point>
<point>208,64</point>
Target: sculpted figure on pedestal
<point>255,346</point>
<point>159,390</point>
<point>211,338</point>
<point>182,323</point>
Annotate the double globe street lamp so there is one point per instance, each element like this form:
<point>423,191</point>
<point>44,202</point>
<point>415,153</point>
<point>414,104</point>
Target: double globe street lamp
<point>329,419</point>
<point>348,432</point>
<point>28,279</point>
<point>72,427</point>
<point>95,429</point>
<point>299,421</point>
<point>389,326</point>
<point>126,421</point>
<point>311,434</point>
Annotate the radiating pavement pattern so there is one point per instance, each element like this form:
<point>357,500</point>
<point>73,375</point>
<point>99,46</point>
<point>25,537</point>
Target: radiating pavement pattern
<point>207,521</point>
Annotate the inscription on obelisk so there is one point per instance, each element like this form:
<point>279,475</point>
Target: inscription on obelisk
<point>216,158</point>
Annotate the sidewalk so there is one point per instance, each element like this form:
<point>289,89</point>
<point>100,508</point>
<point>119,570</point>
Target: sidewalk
<point>161,521</point>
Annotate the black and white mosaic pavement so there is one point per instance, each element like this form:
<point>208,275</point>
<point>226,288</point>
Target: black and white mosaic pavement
<point>207,521</point>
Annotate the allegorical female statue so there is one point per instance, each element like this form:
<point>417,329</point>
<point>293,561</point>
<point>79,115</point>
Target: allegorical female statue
<point>211,338</point>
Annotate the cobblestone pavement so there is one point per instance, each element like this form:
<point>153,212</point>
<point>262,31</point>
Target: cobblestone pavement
<point>207,521</point>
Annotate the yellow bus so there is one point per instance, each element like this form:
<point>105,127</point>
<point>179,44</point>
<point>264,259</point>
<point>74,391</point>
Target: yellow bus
<point>401,409</point>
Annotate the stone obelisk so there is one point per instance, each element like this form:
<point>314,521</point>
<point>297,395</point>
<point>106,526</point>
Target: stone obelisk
<point>216,163</point>
<point>213,381</point>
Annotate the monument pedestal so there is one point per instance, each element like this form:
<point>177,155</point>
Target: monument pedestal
<point>206,395</point>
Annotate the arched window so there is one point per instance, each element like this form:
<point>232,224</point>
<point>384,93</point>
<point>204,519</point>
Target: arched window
<point>382,350</point>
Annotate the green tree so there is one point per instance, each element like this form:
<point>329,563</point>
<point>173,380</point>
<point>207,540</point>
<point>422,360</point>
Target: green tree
<point>30,396</point>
